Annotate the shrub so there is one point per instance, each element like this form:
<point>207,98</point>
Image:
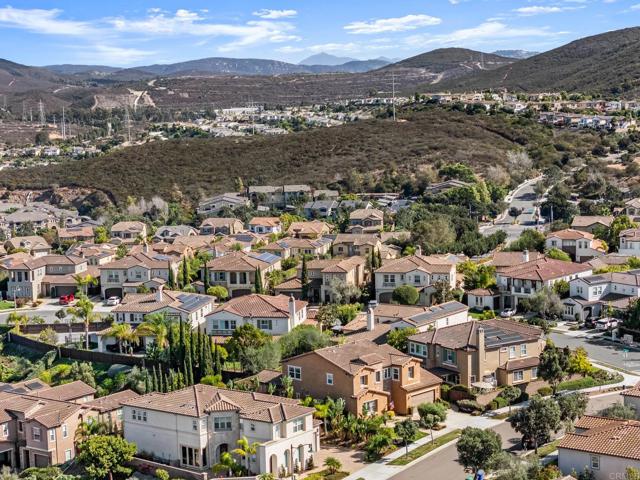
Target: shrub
<point>545,391</point>
<point>469,406</point>
<point>406,295</point>
<point>444,391</point>
<point>162,474</point>
<point>333,465</point>
<point>289,263</point>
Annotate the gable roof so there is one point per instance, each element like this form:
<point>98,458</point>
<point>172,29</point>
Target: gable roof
<point>436,312</point>
<point>604,436</point>
<point>362,213</point>
<point>544,269</point>
<point>265,221</point>
<point>242,262</point>
<point>582,221</point>
<point>148,302</point>
<point>570,234</point>
<point>316,226</point>
<point>133,226</point>
<point>428,264</point>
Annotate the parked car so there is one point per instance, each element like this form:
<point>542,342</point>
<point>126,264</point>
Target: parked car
<point>66,299</point>
<point>113,301</point>
<point>606,323</point>
<point>508,312</point>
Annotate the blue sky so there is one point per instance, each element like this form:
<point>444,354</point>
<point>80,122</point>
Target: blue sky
<point>135,32</point>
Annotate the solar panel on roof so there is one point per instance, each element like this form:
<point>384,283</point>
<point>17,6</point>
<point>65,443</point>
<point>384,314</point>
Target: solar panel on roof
<point>34,385</point>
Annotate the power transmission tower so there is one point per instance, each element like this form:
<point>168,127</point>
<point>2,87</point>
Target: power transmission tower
<point>64,126</point>
<point>41,112</point>
<point>393,99</point>
<point>24,112</point>
<point>127,123</point>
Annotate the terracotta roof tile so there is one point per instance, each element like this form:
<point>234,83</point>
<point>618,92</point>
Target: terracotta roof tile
<point>604,436</point>
<point>262,306</point>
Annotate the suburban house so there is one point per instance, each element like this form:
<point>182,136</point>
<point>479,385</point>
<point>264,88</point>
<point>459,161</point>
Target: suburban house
<point>320,209</point>
<point>278,197</point>
<point>434,317</point>
<point>35,219</point>
<point>76,234</point>
<point>629,242</point>
<point>191,308</point>
<point>221,226</point>
<point>366,220</point>
<point>592,296</point>
<point>524,280</point>
<point>632,209</point>
<point>590,223</point>
<point>581,246</point>
<point>129,232</point>
<point>168,233</point>
<point>422,272</point>
<point>631,397</point>
<point>191,428</point>
<point>34,245</point>
<point>109,409</point>
<point>504,260</point>
<point>128,273</point>
<point>38,423</point>
<point>50,275</point>
<point>95,254</point>
<point>264,225</point>
<point>483,298</point>
<point>214,205</point>
<point>322,272</point>
<point>369,377</point>
<point>297,247</point>
<point>313,230</point>
<point>236,271</point>
<point>481,354</point>
<point>350,244</point>
<point>275,315</point>
<point>604,446</point>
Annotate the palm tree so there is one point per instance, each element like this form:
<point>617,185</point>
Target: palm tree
<point>88,429</point>
<point>17,320</point>
<point>84,281</point>
<point>227,465</point>
<point>245,450</point>
<point>124,333</point>
<point>157,325</point>
<point>82,311</point>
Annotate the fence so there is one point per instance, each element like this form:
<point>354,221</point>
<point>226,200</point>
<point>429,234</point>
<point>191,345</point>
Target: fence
<point>149,467</point>
<point>35,328</point>
<point>82,355</point>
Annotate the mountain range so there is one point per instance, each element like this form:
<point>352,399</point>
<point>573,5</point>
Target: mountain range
<point>518,54</point>
<point>608,63</point>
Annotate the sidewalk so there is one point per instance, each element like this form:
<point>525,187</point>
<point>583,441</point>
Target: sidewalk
<point>455,420</point>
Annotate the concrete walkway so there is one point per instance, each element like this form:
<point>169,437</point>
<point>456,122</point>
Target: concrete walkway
<point>455,420</point>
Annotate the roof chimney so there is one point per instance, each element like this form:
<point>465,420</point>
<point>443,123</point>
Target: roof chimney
<point>159,295</point>
<point>418,250</point>
<point>371,320</point>
<point>145,247</point>
<point>481,352</point>
<point>525,256</point>
<point>292,310</point>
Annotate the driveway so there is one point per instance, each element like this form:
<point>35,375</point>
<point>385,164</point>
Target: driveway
<point>50,306</point>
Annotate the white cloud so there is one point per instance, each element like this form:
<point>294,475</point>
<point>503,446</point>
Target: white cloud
<point>635,7</point>
<point>275,14</point>
<point>111,55</point>
<point>541,10</point>
<point>42,21</point>
<point>487,31</point>
<point>398,24</point>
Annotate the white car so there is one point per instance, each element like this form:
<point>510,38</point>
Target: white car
<point>113,301</point>
<point>508,312</point>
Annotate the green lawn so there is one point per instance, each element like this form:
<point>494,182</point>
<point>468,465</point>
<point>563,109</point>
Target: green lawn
<point>548,449</point>
<point>324,475</point>
<point>587,382</point>
<point>5,304</point>
<point>426,448</point>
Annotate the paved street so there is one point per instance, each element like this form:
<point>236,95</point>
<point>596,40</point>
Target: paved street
<point>49,308</point>
<point>523,198</point>
<point>601,350</point>
<point>444,463</point>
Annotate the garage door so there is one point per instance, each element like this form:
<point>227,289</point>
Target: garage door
<point>385,297</point>
<point>425,397</point>
<point>113,292</point>
<point>41,460</point>
<point>65,290</point>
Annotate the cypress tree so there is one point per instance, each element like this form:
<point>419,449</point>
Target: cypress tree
<point>147,381</point>
<point>205,280</point>
<point>194,350</point>
<point>182,347</point>
<point>171,349</point>
<point>155,386</point>
<point>304,279</point>
<point>217,366</point>
<point>379,259</point>
<point>161,382</point>
<point>185,272</point>
<point>171,279</point>
<point>257,284</point>
<point>188,369</point>
<point>167,383</point>
<point>180,380</point>
<point>208,357</point>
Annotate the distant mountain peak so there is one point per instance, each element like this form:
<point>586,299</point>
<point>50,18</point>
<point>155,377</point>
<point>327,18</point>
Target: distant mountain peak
<point>324,58</point>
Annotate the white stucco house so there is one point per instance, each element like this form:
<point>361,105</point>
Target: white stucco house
<point>629,242</point>
<point>191,428</point>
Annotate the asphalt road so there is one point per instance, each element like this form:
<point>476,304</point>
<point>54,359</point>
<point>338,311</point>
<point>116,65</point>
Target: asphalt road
<point>444,464</point>
<point>523,198</point>
<point>601,350</point>
<point>49,308</point>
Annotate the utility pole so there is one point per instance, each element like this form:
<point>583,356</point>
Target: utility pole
<point>393,89</point>
<point>41,113</point>
<point>127,122</point>
<point>64,126</point>
<point>24,112</point>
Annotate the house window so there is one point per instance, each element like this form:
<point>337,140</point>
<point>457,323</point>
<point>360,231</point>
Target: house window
<point>523,350</point>
<point>518,376</point>
<point>190,456</point>
<point>5,429</point>
<point>265,324</point>
<point>595,462</point>
<point>387,373</point>
<point>417,349</point>
<point>370,407</point>
<point>450,356</point>
<point>194,425</point>
<point>222,424</point>
<point>20,426</point>
<point>329,378</point>
<point>52,435</point>
<point>412,372</point>
<point>298,425</point>
<point>395,373</point>
<point>534,372</point>
<point>67,455</point>
<point>378,376</point>
<point>252,427</point>
<point>35,433</point>
<point>294,372</point>
<point>364,380</point>
<point>512,352</point>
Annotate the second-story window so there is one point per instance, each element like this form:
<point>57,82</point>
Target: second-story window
<point>195,425</point>
<point>329,378</point>
<point>395,373</point>
<point>412,372</point>
<point>523,349</point>
<point>378,376</point>
<point>35,433</point>
<point>364,380</point>
<point>52,434</point>
<point>298,425</point>
<point>65,430</point>
<point>512,352</point>
<point>222,424</point>
<point>5,429</point>
<point>294,372</point>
